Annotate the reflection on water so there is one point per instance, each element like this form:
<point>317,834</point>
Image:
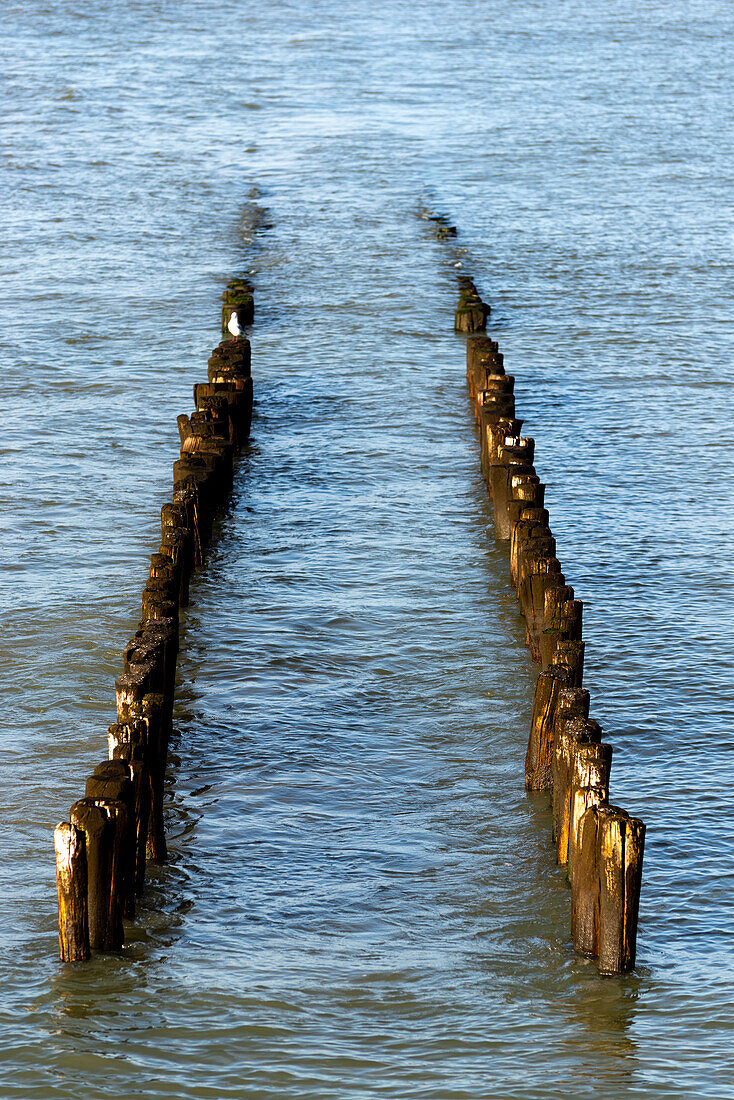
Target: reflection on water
<point>361,899</point>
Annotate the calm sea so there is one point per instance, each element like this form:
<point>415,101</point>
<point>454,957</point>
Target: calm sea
<point>361,900</point>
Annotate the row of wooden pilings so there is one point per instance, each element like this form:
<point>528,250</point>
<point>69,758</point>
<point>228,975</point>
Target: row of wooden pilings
<point>600,844</point>
<point>102,850</point>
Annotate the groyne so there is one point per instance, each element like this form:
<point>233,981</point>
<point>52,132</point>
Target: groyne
<point>118,825</point>
<point>600,845</point>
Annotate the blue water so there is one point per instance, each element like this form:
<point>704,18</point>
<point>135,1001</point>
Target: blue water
<point>361,900</point>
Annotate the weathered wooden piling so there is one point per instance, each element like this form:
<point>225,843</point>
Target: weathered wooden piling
<point>101,852</point>
<point>110,786</point>
<point>601,846</point>
<point>237,298</point>
<point>471,313</point>
<point>585,887</point>
<point>514,457</point>
<point>568,734</point>
<point>496,407</point>
<point>71,890</point>
<point>528,526</point>
<point>105,931</point>
<point>537,570</point>
<point>477,346</point>
<point>589,781</point>
<point>539,756</point>
<point>620,848</point>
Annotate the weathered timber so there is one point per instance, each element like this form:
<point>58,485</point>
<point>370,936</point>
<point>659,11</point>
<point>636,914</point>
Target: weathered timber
<point>585,887</point>
<point>571,655</point>
<point>526,535</point>
<point>539,756</point>
<point>174,547</point>
<point>71,889</point>
<point>524,510</point>
<point>243,305</point>
<point>537,571</point>
<point>238,393</point>
<point>567,735</point>
<point>128,742</point>
<point>165,631</point>
<point>495,408</point>
<point>111,782</point>
<point>471,314</point>
<point>192,472</point>
<point>120,868</point>
<point>621,845</point>
<point>155,712</point>
<point>99,835</point>
<point>186,497</point>
<point>560,624</point>
<point>589,777</point>
<point>513,458</point>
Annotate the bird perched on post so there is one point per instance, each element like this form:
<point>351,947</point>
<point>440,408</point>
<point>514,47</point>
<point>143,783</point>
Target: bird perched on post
<point>233,326</point>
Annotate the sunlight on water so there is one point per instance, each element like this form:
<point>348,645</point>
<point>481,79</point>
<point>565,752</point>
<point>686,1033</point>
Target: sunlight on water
<point>361,900</point>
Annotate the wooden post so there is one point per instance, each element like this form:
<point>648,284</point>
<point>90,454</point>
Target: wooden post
<point>238,394</point>
<point>238,295</point>
<point>537,557</point>
<point>571,655</point>
<point>491,386</point>
<point>110,783</point>
<point>565,626</point>
<point>140,780</point>
<point>166,631</point>
<point>621,844</point>
<point>131,688</point>
<point>71,889</point>
<point>143,665</point>
<point>539,756</point>
<point>556,601</point>
<point>471,314</point>
<point>477,346</point>
<point>173,546</point>
<point>178,538</point>
<point>526,537</point>
<point>537,571</point>
<point>567,734</point>
<point>495,408</point>
<point>510,463</point>
<point>503,427</point>
<point>230,357</point>
<point>117,815</point>
<point>590,767</point>
<point>220,408</point>
<point>128,743</point>
<point>244,309</point>
<point>154,711</point>
<point>525,515</point>
<point>585,887</point>
<point>572,702</point>
<point>99,834</point>
<point>192,472</point>
<point>187,498</point>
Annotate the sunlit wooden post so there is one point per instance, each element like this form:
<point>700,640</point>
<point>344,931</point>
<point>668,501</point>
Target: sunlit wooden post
<point>539,755</point>
<point>620,848</point>
<point>71,890</point>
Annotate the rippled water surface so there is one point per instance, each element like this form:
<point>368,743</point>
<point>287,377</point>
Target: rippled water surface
<point>361,900</point>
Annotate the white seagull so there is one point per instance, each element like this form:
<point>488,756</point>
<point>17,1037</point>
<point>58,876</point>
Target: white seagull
<point>234,326</point>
